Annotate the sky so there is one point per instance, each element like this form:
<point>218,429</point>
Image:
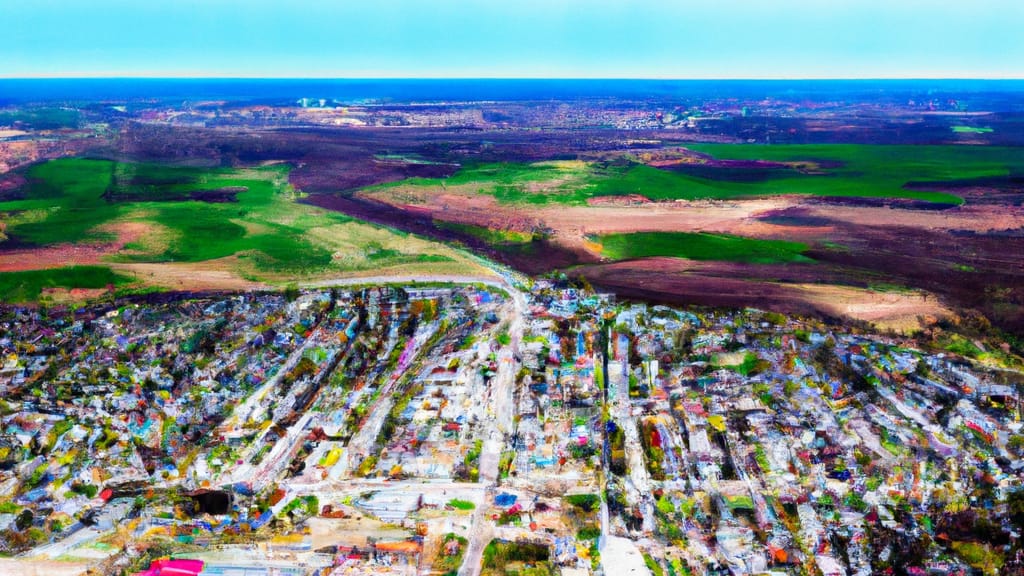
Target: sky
<point>513,39</point>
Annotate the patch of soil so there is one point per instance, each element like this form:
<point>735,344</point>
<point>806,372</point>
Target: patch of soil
<point>213,195</point>
<point>11,184</point>
<point>795,216</point>
<point>625,200</point>
<point>190,276</point>
<point>865,201</point>
<point>14,258</point>
<point>679,281</point>
<point>218,195</point>
<point>995,190</point>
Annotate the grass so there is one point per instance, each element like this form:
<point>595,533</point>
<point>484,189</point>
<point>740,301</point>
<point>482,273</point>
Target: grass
<point>584,502</point>
<point>746,364</point>
<point>510,182</point>
<point>28,286</point>
<point>42,118</point>
<point>653,565</point>
<point>500,557</point>
<point>875,171</point>
<point>449,565</point>
<point>488,235</point>
<point>64,202</point>
<point>837,170</point>
<point>701,246</point>
<point>972,130</point>
<point>73,200</point>
<point>461,504</point>
<point>979,556</point>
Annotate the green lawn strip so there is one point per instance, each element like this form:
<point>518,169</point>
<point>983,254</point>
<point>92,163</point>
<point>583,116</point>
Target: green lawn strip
<point>701,246</point>
<point>28,285</point>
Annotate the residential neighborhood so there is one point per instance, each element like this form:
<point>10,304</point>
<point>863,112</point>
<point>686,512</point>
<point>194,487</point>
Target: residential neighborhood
<point>516,427</point>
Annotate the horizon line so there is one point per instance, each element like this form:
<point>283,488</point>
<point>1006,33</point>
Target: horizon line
<point>463,78</point>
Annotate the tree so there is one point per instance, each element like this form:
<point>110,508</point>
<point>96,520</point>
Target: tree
<point>291,292</point>
<point>1016,445</point>
<point>1015,506</point>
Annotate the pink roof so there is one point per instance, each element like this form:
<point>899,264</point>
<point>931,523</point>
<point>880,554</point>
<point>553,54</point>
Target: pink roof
<point>169,567</point>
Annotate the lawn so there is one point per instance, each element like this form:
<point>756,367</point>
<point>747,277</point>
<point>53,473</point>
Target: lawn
<point>501,557</point>
<point>837,170</point>
<point>448,564</point>
<point>27,286</point>
<point>256,217</point>
<point>701,246</point>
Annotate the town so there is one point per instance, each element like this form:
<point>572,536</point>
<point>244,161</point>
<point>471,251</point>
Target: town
<point>521,426</point>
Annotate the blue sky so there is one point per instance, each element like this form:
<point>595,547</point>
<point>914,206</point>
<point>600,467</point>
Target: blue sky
<point>524,38</point>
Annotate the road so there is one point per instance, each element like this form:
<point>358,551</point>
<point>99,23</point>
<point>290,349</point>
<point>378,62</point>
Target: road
<point>502,400</point>
<point>495,281</point>
<point>62,546</point>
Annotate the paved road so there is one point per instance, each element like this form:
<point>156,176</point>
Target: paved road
<point>503,406</point>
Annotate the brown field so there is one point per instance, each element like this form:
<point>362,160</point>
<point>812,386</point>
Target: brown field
<point>217,274</point>
<point>676,280</point>
<point>952,257</point>
<point>73,254</point>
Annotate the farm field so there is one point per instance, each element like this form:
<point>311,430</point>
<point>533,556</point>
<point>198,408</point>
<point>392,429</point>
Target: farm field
<point>245,222</point>
<point>29,285</point>
<point>727,171</point>
<point>700,246</point>
<point>867,216</point>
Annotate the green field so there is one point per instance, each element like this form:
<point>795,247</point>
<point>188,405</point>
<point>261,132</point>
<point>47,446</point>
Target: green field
<point>42,118</point>
<point>843,170</point>
<point>972,130</point>
<point>701,246</point>
<point>536,183</point>
<point>28,286</point>
<point>77,200</point>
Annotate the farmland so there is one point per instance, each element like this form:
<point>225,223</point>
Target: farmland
<point>246,218</point>
<point>29,285</point>
<point>699,246</point>
<point>840,170</point>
